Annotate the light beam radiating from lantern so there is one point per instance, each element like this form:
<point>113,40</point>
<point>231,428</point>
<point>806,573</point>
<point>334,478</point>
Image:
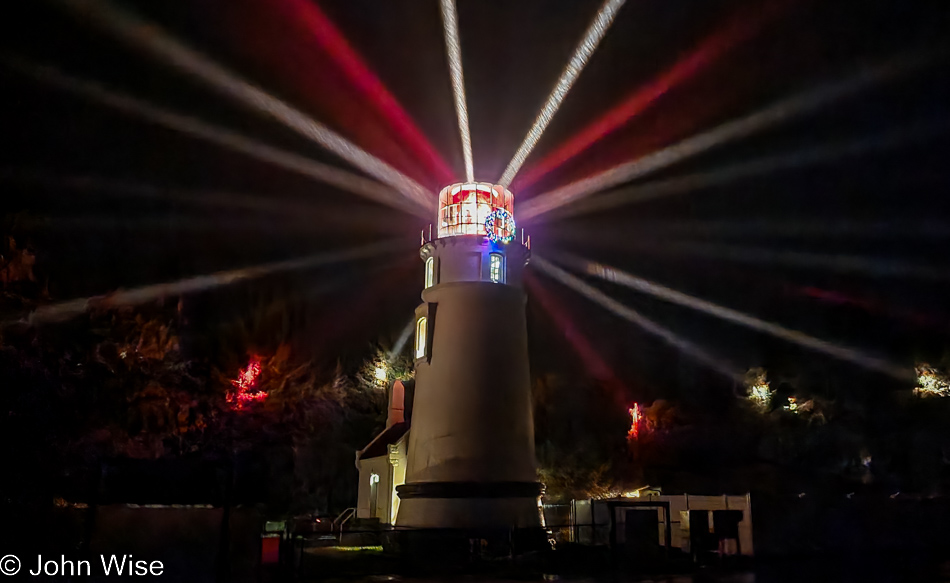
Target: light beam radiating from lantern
<point>157,43</point>
<point>844,353</point>
<point>877,306</point>
<point>402,340</point>
<point>740,28</point>
<point>685,346</point>
<point>375,218</point>
<point>606,232</point>
<point>777,113</point>
<point>823,154</point>
<point>197,128</point>
<point>453,48</point>
<point>847,264</point>
<point>592,37</point>
<point>299,227</point>
<point>593,362</point>
<point>376,95</point>
<point>141,295</point>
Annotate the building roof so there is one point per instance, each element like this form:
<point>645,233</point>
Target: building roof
<point>380,445</point>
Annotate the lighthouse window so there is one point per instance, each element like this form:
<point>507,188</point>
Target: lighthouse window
<point>430,272</point>
<point>497,271</point>
<point>421,338</point>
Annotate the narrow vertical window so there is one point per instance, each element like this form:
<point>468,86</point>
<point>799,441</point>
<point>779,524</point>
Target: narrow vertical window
<point>497,265</point>
<point>421,338</point>
<point>430,272</point>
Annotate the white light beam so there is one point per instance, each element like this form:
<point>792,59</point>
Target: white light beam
<point>151,39</point>
<point>453,47</point>
<point>595,295</point>
<point>846,354</point>
<point>851,264</point>
<point>779,112</point>
<point>66,310</point>
<point>592,37</point>
<point>194,127</point>
<point>402,340</point>
<point>822,154</point>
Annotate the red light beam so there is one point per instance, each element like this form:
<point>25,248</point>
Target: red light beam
<point>777,113</point>
<point>685,346</point>
<point>740,28</point>
<point>595,364</point>
<point>155,42</point>
<point>352,66</point>
<point>832,349</point>
<point>197,128</point>
<point>825,153</point>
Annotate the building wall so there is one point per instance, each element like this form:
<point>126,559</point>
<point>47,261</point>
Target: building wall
<point>391,469</point>
<point>472,417</point>
<point>398,459</point>
<point>472,412</point>
<point>380,466</point>
<point>466,258</point>
<point>598,512</point>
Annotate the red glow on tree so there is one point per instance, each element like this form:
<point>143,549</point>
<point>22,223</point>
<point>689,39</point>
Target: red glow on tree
<point>244,384</point>
<point>635,417</point>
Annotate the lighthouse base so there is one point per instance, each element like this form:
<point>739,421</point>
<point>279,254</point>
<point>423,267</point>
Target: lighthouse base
<point>469,519</point>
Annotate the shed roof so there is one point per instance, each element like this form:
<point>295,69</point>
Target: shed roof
<point>380,445</point>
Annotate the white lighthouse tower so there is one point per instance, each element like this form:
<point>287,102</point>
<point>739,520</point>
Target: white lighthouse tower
<point>470,457</point>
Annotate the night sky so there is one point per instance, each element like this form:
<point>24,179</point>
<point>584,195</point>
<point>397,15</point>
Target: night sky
<point>889,204</point>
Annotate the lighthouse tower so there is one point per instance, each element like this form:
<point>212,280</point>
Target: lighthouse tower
<point>471,463</point>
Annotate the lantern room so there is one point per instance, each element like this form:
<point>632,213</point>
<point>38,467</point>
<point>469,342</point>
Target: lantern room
<point>464,209</point>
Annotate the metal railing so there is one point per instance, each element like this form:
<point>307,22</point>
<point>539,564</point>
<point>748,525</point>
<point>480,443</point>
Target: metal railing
<point>338,522</point>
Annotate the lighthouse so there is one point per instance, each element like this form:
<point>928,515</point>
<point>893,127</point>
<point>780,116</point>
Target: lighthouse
<point>464,462</point>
